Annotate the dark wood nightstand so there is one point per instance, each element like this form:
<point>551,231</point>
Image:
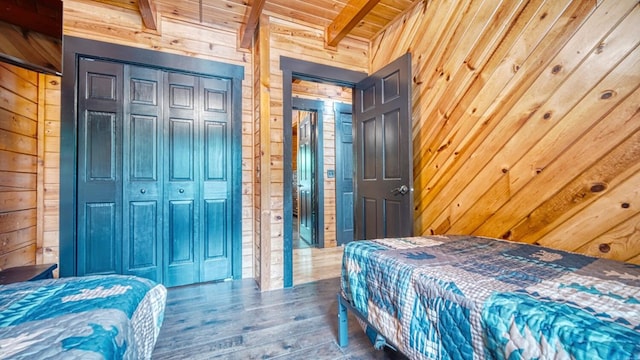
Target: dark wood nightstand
<point>27,273</point>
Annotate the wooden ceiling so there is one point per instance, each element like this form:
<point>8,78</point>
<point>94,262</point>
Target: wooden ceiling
<point>41,16</point>
<point>357,18</point>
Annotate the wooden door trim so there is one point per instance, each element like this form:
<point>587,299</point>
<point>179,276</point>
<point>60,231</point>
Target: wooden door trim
<point>300,69</point>
<point>74,48</point>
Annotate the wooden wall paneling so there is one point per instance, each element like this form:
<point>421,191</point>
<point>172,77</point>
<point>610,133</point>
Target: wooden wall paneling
<point>523,96</point>
<point>511,69</point>
<point>565,115</point>
<point>19,92</point>
<point>562,167</point>
<point>522,36</point>
<point>302,42</point>
<point>588,160</point>
<point>21,163</point>
<point>598,217</point>
<point>463,50</point>
<point>264,162</point>
<point>40,168</point>
<point>620,243</point>
<point>36,50</point>
<point>515,118</point>
<point>49,249</point>
<point>256,154</point>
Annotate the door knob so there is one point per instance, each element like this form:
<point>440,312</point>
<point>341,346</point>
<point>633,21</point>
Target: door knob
<point>181,191</point>
<point>142,191</point>
<point>403,189</point>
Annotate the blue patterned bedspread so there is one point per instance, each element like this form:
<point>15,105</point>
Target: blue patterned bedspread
<point>93,317</point>
<point>462,297</point>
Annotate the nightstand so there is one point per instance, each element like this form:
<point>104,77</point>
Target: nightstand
<point>27,273</point>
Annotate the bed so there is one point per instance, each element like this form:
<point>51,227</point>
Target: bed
<point>93,317</point>
<point>465,297</point>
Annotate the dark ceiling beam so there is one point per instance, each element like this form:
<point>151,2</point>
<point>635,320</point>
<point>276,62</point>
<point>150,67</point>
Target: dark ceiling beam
<point>43,16</point>
<point>148,14</point>
<point>251,20</point>
<point>347,19</point>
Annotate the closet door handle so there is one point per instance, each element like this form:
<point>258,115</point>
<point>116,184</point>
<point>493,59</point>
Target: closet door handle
<point>142,191</point>
<point>181,191</point>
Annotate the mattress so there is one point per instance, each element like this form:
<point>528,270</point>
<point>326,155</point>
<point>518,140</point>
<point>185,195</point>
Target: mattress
<point>93,317</point>
<point>464,297</point>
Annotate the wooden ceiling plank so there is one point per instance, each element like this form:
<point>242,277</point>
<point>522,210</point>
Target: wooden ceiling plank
<point>149,14</point>
<point>351,14</point>
<point>252,17</point>
<point>49,22</point>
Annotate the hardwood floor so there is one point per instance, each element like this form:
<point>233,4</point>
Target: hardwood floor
<point>234,320</point>
<point>312,264</point>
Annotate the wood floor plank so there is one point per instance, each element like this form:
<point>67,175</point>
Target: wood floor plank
<point>234,320</point>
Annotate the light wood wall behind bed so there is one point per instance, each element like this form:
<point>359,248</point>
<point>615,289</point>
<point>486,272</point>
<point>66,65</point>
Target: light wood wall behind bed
<point>526,120</point>
<point>18,165</point>
<point>29,162</point>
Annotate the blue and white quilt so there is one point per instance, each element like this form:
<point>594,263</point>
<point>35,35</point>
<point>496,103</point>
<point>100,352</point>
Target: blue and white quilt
<point>464,297</point>
<point>93,317</point>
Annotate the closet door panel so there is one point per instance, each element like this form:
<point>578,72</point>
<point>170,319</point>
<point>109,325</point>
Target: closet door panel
<point>182,244</point>
<point>99,175</point>
<point>142,172</point>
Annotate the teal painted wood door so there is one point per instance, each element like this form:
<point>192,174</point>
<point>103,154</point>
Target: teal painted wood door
<point>99,175</point>
<point>142,141</point>
<point>344,174</point>
<point>160,207</point>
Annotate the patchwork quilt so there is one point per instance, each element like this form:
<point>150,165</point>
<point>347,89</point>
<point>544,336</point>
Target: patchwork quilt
<point>464,297</point>
<point>93,317</point>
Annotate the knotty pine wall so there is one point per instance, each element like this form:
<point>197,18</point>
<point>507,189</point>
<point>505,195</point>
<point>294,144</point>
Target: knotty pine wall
<point>18,165</point>
<point>302,42</point>
<point>29,161</point>
<point>526,120</point>
<point>103,22</point>
<point>48,246</point>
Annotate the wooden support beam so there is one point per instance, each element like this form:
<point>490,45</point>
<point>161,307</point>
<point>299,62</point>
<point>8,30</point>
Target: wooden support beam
<point>148,14</point>
<point>351,14</point>
<point>251,20</point>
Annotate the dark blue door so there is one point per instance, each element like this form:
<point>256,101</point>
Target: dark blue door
<point>344,174</point>
<point>99,173</point>
<point>384,171</point>
<point>154,174</point>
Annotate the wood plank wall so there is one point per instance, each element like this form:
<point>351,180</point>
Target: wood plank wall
<point>29,172</point>
<point>306,43</point>
<point>526,123</point>
<point>98,21</point>
<point>263,156</point>
<point>35,49</point>
<point>49,170</point>
<point>18,165</point>
<point>329,95</point>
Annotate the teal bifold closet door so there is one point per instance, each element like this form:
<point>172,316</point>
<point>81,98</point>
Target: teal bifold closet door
<point>154,171</point>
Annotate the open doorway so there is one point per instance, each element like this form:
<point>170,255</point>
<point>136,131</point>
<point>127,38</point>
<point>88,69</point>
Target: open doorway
<point>316,130</point>
<point>299,74</point>
<point>307,189</point>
